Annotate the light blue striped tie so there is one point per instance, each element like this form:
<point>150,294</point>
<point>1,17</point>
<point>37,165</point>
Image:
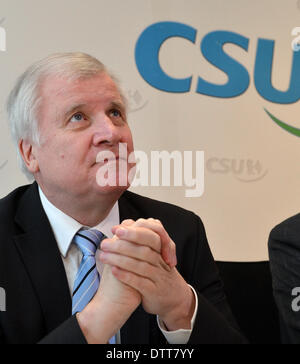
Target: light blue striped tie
<point>88,279</point>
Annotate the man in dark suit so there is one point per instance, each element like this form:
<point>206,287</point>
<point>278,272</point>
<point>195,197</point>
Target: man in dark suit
<point>284,249</point>
<point>60,287</point>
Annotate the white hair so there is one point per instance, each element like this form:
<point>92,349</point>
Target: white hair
<point>24,99</point>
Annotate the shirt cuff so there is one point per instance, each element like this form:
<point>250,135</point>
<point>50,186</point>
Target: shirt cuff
<point>179,337</point>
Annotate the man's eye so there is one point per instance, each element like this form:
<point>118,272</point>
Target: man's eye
<point>116,114</point>
<point>77,118</point>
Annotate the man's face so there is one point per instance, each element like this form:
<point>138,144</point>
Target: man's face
<point>78,120</point>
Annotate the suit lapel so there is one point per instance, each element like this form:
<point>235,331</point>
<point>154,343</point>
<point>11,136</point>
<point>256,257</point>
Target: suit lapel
<point>41,257</point>
<point>40,254</point>
<point>137,328</point>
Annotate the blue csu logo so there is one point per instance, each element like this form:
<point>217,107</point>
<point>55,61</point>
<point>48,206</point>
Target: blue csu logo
<point>147,59</point>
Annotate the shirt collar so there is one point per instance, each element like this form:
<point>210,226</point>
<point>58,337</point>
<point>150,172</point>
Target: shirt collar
<point>65,227</point>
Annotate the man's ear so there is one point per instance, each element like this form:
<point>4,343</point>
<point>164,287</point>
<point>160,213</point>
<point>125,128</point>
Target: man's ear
<point>27,152</point>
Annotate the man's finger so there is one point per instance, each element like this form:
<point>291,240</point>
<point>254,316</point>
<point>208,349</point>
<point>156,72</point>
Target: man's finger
<point>168,247</point>
<point>138,267</point>
<point>140,236</point>
<point>127,222</point>
<point>139,252</point>
<point>140,284</point>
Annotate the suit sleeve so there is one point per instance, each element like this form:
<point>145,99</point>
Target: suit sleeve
<point>285,268</point>
<point>67,333</point>
<point>215,323</point>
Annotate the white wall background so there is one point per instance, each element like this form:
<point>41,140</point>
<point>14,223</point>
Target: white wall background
<point>238,216</point>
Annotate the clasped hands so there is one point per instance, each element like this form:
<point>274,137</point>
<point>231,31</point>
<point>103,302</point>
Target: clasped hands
<point>142,258</point>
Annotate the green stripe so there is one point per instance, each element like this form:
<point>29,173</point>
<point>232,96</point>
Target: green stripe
<point>284,126</point>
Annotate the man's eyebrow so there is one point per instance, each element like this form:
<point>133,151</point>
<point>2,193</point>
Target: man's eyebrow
<point>73,108</point>
<point>118,105</point>
<point>114,104</point>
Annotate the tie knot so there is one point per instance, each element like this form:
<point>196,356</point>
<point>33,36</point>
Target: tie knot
<point>88,241</point>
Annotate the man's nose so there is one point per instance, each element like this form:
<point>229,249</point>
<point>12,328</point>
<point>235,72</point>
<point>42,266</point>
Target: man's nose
<point>106,132</point>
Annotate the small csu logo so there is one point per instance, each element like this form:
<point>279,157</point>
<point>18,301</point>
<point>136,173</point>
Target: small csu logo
<point>151,40</point>
<point>244,170</point>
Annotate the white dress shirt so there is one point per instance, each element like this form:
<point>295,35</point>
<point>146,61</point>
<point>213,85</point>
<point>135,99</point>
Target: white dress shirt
<point>65,228</point>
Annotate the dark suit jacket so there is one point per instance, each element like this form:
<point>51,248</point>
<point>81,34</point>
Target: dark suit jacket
<point>38,298</point>
<point>284,249</point>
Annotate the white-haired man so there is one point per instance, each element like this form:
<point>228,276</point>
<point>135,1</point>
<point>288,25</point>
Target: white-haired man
<point>63,112</point>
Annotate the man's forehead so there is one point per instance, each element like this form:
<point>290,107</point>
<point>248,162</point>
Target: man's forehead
<point>81,91</point>
<point>60,84</point>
